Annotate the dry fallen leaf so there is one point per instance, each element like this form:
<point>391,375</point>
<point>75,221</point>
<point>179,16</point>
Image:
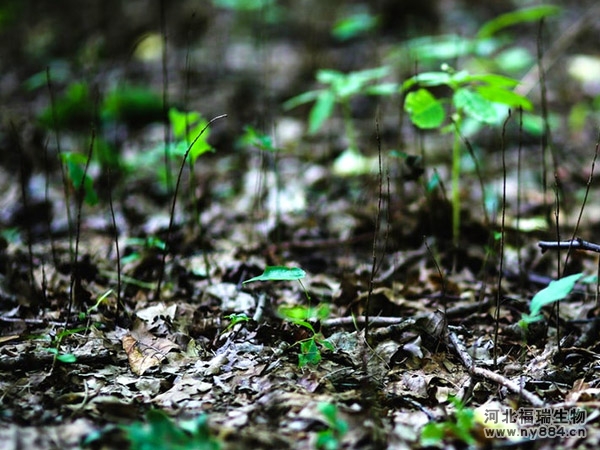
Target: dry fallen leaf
<point>144,350</point>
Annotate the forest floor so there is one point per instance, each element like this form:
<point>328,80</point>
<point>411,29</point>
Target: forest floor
<point>124,316</point>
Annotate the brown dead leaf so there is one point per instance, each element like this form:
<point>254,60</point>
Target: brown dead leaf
<point>144,350</point>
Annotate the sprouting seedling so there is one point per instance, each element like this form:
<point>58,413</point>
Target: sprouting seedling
<point>483,98</point>
<point>340,88</point>
<point>555,291</point>
<point>309,348</point>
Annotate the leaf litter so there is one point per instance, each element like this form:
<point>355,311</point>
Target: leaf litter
<point>213,343</point>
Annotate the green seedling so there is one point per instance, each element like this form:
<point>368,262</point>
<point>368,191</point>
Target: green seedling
<point>339,89</point>
<point>83,315</point>
<point>483,98</point>
<point>310,348</point>
<point>460,426</point>
<point>186,127</point>
<point>331,437</point>
<point>161,433</point>
<point>555,291</point>
<point>234,319</point>
<point>67,358</point>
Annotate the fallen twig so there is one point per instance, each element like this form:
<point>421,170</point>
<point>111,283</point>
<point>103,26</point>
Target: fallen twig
<point>492,376</point>
<point>576,244</point>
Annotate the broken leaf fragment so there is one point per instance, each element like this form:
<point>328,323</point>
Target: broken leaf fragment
<point>279,273</point>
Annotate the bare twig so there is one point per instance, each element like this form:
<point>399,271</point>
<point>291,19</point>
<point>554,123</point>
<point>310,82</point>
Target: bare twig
<point>490,375</point>
<point>575,244</point>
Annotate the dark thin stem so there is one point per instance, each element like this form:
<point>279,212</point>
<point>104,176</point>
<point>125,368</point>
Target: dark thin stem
<point>60,161</point>
<point>585,197</point>
<point>376,233</point>
<point>75,275</point>
<point>165,95</point>
<point>518,218</point>
<point>172,216</point>
<point>114,222</point>
<point>502,222</point>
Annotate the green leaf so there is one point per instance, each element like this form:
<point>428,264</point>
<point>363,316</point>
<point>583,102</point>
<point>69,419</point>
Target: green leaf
<point>556,290</point>
<point>492,79</point>
<point>187,126</point>
<point>532,14</point>
<point>432,434</point>
<point>428,79</point>
<point>305,97</point>
<point>424,109</point>
<point>67,358</point>
<point>384,89</point>
<point>321,111</point>
<point>309,353</point>
<point>301,312</point>
<point>279,273</point>
<point>475,105</point>
<point>505,97</point>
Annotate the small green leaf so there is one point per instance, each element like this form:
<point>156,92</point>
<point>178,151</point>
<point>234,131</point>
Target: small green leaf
<point>321,111</point>
<point>305,97</point>
<point>505,97</point>
<point>532,14</point>
<point>475,105</point>
<point>309,353</point>
<point>428,79</point>
<point>279,273</point>
<point>556,290</point>
<point>67,358</point>
<point>424,109</point>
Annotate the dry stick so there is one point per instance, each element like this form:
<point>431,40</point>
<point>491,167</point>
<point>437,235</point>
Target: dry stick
<point>502,222</point>
<point>492,376</point>
<point>172,216</point>
<point>75,275</point>
<point>376,233</point>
